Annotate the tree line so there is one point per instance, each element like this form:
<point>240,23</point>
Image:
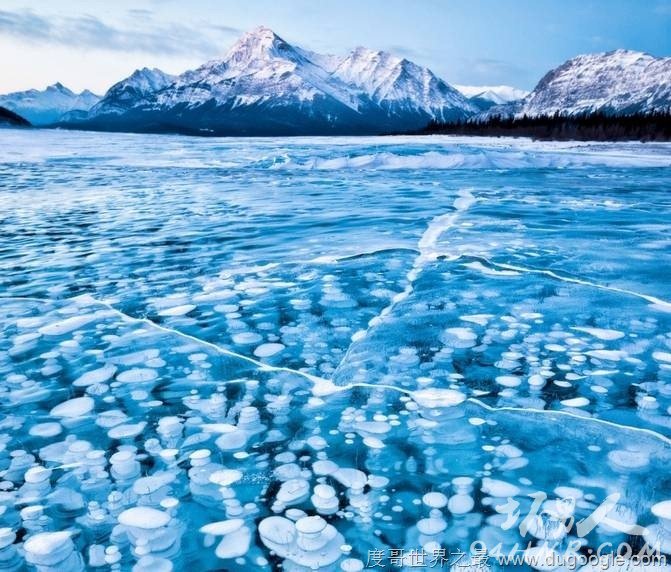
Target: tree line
<point>654,126</point>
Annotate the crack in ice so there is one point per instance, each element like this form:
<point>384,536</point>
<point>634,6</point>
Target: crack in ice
<point>428,252</point>
<point>662,305</point>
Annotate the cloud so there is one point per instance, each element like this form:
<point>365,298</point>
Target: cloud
<point>143,34</point>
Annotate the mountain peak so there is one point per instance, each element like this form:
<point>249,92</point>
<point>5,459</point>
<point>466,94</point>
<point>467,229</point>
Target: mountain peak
<point>58,86</point>
<point>257,45</point>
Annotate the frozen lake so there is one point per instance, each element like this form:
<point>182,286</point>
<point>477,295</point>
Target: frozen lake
<point>235,353</point>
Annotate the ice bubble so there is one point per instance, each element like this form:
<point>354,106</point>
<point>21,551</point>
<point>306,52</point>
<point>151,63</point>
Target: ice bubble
<point>93,377</point>
<point>268,350</point>
<point>431,526</point>
<point>152,563</point>
<point>126,431</point>
<point>235,543</point>
<point>77,407</point>
<point>152,483</point>
<point>177,310</point>
<point>324,499</point>
<point>460,504</point>
<point>36,475</point>
<point>555,348</point>
<point>664,357</point>
<point>351,478</point>
<point>626,461</point>
<point>508,380</point>
<point>310,525</point>
<point>480,319</point>
<point>7,538</point>
<point>67,325</point>
<point>500,489</point>
<point>373,443</point>
<point>662,510</point>
<point>111,418</point>
<point>459,337</point>
<point>277,531</point>
<point>434,500</point>
<point>49,429</point>
<point>293,491</point>
<point>124,465</point>
<point>246,338</point>
<point>137,375</point>
<point>438,397</point>
<point>324,467</point>
<point>295,514</point>
<point>374,427</point>
<point>536,380</point>
<point>225,477</point>
<point>575,402</point>
<point>600,333</point>
<point>250,420</point>
<point>317,442</point>
<point>53,549</point>
<point>608,355</point>
<point>233,441</point>
<point>222,527</point>
<point>144,517</point>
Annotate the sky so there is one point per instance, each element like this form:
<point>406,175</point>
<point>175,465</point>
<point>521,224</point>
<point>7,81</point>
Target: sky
<point>92,44</point>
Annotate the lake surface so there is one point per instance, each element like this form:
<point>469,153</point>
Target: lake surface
<point>252,332</point>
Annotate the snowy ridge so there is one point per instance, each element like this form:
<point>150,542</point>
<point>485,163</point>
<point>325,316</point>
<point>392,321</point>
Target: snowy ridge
<point>390,80</point>
<point>618,82</point>
<point>622,81</point>
<point>48,105</point>
<point>132,90</point>
<point>260,66</point>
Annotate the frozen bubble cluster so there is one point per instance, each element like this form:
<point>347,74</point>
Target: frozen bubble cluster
<point>312,367</point>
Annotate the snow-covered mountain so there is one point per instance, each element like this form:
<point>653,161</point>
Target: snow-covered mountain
<point>618,82</point>
<point>399,85</point>
<point>129,92</point>
<point>485,97</point>
<point>264,86</point>
<point>48,105</point>
<point>622,81</point>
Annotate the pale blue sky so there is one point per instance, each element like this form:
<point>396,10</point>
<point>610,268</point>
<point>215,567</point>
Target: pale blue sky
<point>94,43</point>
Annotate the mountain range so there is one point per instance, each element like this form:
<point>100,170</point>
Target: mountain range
<point>265,86</point>
<point>48,106</point>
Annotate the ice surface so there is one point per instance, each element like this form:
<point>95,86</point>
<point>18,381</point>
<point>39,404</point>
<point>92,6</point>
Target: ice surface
<point>317,363</point>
